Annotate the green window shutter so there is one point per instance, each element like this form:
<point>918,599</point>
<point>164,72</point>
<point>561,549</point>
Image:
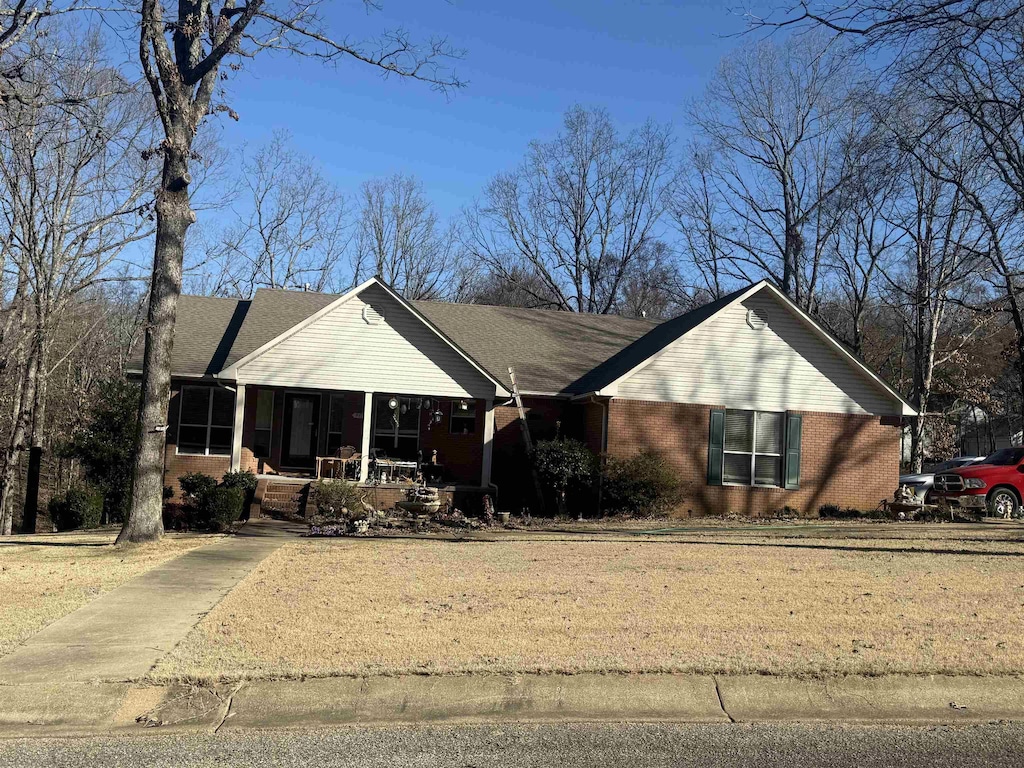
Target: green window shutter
<point>716,447</point>
<point>793,426</point>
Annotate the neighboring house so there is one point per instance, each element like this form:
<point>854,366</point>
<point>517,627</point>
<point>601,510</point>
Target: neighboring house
<point>750,399</point>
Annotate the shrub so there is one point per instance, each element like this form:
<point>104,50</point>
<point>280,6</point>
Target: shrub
<point>337,501</point>
<point>103,444</point>
<point>222,507</point>
<point>833,511</point>
<point>195,486</point>
<point>77,507</point>
<point>245,480</point>
<point>566,466</point>
<point>645,484</point>
<point>209,505</point>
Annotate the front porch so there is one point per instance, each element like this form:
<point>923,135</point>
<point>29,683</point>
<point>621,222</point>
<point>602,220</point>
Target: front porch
<point>377,439</point>
<point>287,495</point>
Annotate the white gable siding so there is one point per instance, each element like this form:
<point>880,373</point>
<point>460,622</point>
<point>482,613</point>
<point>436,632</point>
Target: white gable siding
<point>395,354</point>
<point>783,366</point>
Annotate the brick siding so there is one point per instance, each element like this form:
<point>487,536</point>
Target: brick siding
<point>847,460</point>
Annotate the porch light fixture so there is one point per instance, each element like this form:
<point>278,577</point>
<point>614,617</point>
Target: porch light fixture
<point>463,405</point>
<point>393,403</point>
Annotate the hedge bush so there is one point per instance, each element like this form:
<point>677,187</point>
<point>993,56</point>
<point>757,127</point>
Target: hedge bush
<point>565,466</point>
<point>195,486</point>
<point>77,507</point>
<point>835,512</point>
<point>222,507</point>
<point>642,485</point>
<point>337,501</point>
<point>245,480</point>
<point>209,505</point>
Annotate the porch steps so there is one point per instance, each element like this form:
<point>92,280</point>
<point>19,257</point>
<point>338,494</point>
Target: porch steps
<point>282,499</point>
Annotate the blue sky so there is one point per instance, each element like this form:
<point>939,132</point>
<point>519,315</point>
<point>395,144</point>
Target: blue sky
<point>526,62</point>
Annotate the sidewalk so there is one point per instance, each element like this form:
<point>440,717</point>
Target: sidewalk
<point>82,709</point>
<point>120,635</point>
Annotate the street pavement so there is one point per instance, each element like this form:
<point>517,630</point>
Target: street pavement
<point>523,746</point>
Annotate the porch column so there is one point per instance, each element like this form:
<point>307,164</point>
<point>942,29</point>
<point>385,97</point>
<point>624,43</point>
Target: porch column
<point>485,474</point>
<point>236,428</point>
<point>364,463</point>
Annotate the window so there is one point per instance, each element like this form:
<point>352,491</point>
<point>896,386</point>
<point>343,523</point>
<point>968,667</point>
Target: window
<point>396,426</point>
<point>264,423</point>
<point>204,421</point>
<point>753,448</point>
<point>335,424</point>
<point>463,420</point>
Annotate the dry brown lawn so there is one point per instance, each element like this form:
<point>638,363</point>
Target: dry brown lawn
<point>47,576</point>
<point>798,600</point>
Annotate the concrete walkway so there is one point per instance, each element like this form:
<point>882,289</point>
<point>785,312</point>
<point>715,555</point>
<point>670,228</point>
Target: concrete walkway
<point>122,634</point>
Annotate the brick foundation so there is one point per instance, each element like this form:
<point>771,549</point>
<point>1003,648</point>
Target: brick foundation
<point>847,460</point>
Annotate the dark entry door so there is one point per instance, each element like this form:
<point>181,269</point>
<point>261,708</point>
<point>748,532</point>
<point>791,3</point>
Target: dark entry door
<point>301,418</point>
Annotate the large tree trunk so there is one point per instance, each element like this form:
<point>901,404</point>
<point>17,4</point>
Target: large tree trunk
<point>174,216</point>
<point>16,445</point>
<point>38,427</point>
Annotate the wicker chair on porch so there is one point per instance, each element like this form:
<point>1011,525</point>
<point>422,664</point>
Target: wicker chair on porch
<point>337,466</point>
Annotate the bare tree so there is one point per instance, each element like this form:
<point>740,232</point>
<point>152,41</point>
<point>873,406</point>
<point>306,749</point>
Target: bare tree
<point>774,118</point>
<point>292,229</point>
<point>964,58</point>
<point>869,225</point>
<point>182,54</point>
<point>401,239</point>
<point>75,194</point>
<point>578,214</point>
<point>700,216</point>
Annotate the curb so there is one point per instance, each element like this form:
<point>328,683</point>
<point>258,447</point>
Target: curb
<point>83,708</point>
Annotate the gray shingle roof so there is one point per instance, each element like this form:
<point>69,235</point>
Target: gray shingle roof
<point>549,350</point>
<point>205,328</point>
<point>552,352</point>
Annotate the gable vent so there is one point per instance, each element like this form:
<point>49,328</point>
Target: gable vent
<point>757,318</point>
<point>371,315</point>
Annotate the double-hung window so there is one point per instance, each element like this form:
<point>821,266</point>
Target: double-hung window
<point>754,448</point>
<point>205,420</point>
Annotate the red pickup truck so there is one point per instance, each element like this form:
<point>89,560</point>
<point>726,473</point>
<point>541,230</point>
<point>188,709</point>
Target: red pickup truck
<point>995,485</point>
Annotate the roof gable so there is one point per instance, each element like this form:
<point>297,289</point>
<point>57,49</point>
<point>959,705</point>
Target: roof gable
<point>790,363</point>
<point>368,339</point>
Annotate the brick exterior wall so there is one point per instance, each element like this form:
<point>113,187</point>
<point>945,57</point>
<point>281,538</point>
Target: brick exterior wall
<point>847,460</point>
<point>545,415</point>
<point>461,455</point>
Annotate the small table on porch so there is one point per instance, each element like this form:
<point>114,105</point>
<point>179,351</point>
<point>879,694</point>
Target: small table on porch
<point>391,466</point>
<point>335,467</point>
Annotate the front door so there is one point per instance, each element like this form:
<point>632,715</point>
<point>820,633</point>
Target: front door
<point>301,417</point>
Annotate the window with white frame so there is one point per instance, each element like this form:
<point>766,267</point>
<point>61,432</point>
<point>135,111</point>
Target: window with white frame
<point>753,452</point>
<point>264,423</point>
<point>204,421</point>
